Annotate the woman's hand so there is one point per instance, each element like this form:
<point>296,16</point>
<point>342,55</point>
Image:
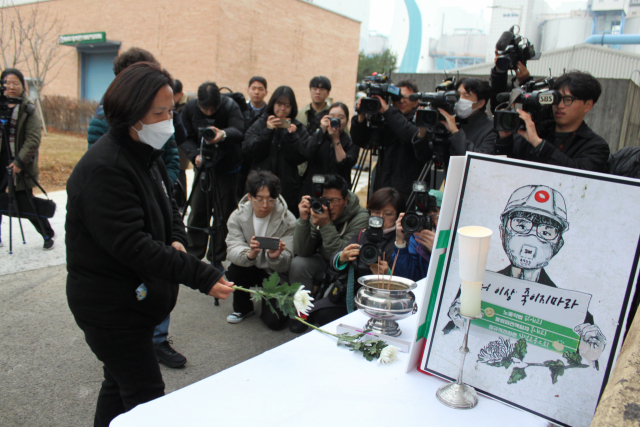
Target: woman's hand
<point>350,253</point>
<point>222,289</point>
<point>254,249</point>
<point>179,246</point>
<point>273,122</point>
<point>292,128</point>
<point>399,230</point>
<point>275,254</point>
<point>325,123</point>
<point>426,238</point>
<point>381,267</point>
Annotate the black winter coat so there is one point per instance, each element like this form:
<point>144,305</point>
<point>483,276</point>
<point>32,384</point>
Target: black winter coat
<point>322,158</point>
<point>227,117</point>
<point>119,228</point>
<point>625,162</point>
<point>585,150</point>
<point>279,152</point>
<point>397,165</point>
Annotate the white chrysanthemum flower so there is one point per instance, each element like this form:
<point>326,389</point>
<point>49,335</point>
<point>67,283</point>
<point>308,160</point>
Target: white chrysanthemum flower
<point>302,301</point>
<point>388,355</point>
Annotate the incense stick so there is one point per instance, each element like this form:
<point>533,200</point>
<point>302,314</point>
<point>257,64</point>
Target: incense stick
<point>393,269</point>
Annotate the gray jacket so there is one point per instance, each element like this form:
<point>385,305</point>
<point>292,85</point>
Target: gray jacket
<point>281,225</point>
<point>476,135</point>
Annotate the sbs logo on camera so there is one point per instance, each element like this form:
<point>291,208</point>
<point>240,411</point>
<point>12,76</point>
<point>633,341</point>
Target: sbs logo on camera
<point>545,99</point>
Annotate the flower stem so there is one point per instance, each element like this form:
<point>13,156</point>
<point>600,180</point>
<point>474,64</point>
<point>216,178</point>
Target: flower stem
<point>240,288</point>
<point>316,328</point>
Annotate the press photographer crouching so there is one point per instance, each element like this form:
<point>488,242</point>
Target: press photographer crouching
<point>19,152</point>
<point>125,241</point>
<point>367,252</point>
<point>564,141</point>
<point>215,126</point>
<point>324,230</point>
<point>330,148</point>
<point>476,128</point>
<point>397,165</point>
<point>259,242</point>
<point>414,255</point>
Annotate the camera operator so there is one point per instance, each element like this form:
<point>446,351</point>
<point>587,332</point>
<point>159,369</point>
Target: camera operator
<point>414,256</point>
<point>311,114</point>
<point>320,235</point>
<point>262,212</point>
<point>277,142</point>
<point>385,203</point>
<point>567,140</point>
<point>397,165</point>
<point>476,132</point>
<point>23,130</point>
<point>222,115</point>
<point>330,149</point>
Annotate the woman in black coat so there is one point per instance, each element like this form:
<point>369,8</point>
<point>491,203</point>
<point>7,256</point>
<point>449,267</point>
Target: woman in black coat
<point>330,148</point>
<point>278,142</point>
<point>125,241</point>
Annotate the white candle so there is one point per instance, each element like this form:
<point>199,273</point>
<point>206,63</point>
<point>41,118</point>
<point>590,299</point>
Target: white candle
<point>470,298</point>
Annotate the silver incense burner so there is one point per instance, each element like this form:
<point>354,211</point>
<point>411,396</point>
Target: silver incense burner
<point>386,299</point>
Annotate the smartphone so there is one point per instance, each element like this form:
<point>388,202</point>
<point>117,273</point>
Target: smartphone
<point>268,243</point>
<point>285,123</point>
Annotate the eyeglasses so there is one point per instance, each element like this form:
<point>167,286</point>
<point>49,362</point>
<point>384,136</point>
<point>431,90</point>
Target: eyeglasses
<point>383,214</point>
<point>12,84</point>
<point>524,226</point>
<point>262,201</point>
<point>568,100</point>
<point>283,105</point>
<point>335,201</point>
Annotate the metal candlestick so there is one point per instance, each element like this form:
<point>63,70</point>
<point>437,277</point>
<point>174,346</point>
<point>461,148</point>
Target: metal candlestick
<point>458,395</point>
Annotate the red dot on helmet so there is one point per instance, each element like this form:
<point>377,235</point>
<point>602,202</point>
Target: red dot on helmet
<point>542,196</point>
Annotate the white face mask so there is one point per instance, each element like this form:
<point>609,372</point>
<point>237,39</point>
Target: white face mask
<point>156,134</point>
<point>464,108</point>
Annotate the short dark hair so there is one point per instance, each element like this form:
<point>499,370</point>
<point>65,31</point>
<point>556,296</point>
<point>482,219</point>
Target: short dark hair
<point>408,83</point>
<point>130,96</point>
<point>258,79</point>
<point>320,81</point>
<point>177,86</point>
<point>387,196</point>
<point>581,85</point>
<point>283,92</point>
<point>334,181</point>
<point>341,105</point>
<point>130,57</point>
<point>481,88</point>
<point>15,72</point>
<point>209,95</point>
<point>258,179</point>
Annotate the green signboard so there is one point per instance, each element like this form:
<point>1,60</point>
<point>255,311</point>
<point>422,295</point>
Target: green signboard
<point>73,39</point>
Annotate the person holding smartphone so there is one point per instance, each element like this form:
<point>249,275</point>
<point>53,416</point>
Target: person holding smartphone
<point>277,142</point>
<point>259,242</point>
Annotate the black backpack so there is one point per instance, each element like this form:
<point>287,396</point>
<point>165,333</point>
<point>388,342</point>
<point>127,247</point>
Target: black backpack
<point>237,97</point>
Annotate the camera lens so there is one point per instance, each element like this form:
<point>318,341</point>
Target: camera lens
<point>411,223</point>
<point>334,122</point>
<point>316,206</point>
<point>509,121</point>
<point>369,253</point>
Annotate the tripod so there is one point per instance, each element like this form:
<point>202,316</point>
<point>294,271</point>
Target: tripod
<point>429,168</point>
<point>205,177</point>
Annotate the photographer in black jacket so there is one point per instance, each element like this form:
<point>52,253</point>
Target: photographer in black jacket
<point>476,128</point>
<point>222,115</point>
<point>397,165</point>
<point>567,140</point>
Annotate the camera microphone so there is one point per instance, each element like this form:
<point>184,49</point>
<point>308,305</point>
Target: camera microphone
<point>503,97</point>
<point>504,40</point>
<point>415,96</point>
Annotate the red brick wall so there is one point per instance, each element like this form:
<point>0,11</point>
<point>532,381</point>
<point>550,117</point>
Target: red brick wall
<point>227,41</point>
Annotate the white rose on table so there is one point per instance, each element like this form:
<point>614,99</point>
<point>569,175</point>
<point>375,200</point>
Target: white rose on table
<point>388,355</point>
<point>302,301</point>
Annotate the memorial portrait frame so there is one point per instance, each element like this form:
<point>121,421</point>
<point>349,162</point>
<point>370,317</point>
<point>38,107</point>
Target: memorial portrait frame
<point>434,307</point>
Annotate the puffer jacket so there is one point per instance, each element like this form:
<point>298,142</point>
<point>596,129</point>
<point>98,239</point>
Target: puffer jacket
<point>328,239</point>
<point>240,225</point>
<point>625,162</point>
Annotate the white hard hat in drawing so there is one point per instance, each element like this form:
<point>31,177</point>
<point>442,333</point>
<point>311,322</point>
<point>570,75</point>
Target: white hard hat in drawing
<point>539,199</point>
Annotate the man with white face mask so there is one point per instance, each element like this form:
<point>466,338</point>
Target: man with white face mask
<point>476,128</point>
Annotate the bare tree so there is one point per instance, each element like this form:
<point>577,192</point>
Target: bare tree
<point>11,35</point>
<point>42,52</point>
